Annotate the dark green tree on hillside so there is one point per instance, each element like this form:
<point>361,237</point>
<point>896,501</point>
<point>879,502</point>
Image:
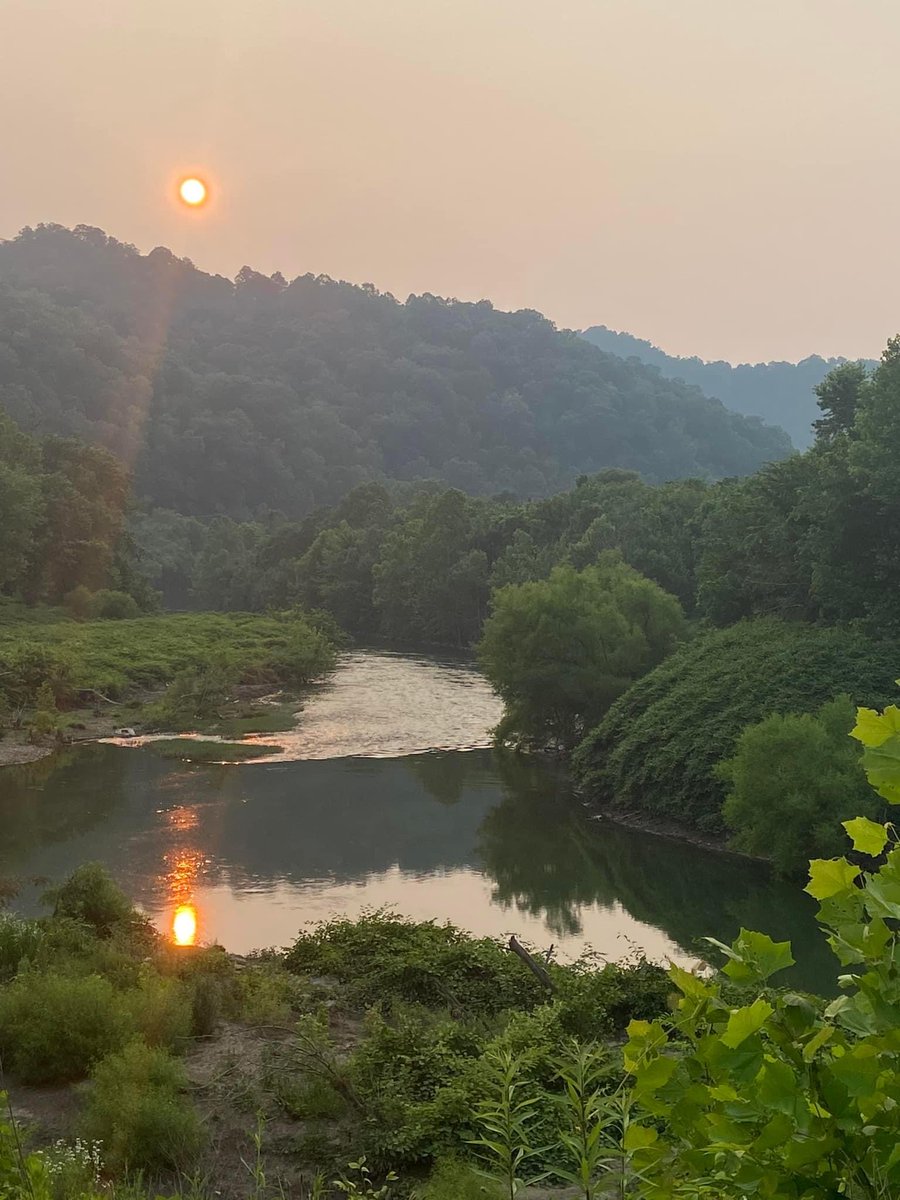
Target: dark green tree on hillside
<point>559,651</point>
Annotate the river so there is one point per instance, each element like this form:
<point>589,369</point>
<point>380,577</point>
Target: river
<point>386,794</point>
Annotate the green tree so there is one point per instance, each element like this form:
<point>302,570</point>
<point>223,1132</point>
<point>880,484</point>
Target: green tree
<point>559,651</point>
<point>838,396</point>
<point>431,579</point>
<point>792,780</point>
<point>752,546</point>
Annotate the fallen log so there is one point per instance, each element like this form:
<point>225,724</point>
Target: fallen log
<point>536,968</point>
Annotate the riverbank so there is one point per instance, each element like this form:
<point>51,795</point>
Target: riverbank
<point>371,1037</point>
<point>65,681</point>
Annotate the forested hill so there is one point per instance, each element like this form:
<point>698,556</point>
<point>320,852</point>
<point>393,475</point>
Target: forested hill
<point>778,392</point>
<point>238,397</point>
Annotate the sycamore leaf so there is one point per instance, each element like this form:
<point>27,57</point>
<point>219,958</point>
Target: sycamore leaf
<point>858,1069</point>
<point>638,1137</point>
<point>688,983</point>
<point>815,1043</point>
<point>754,956</point>
<point>868,837</point>
<point>830,877</point>
<point>854,1013</point>
<point>872,728</point>
<point>882,767</point>
<point>655,1074</point>
<point>746,1021</point>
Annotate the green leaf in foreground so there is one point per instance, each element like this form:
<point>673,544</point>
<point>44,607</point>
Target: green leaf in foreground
<point>882,767</point>
<point>830,877</point>
<point>872,728</point>
<point>868,837</point>
<point>746,1021</point>
<point>753,957</point>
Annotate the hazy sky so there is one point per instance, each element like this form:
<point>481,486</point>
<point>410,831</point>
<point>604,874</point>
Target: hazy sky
<point>720,176</point>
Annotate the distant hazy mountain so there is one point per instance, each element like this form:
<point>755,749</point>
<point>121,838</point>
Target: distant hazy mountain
<point>242,396</point>
<point>779,392</point>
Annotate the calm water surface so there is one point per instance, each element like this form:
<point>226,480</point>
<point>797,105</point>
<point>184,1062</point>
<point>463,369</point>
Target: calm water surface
<point>386,794</point>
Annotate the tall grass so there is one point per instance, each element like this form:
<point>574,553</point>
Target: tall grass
<point>114,657</point>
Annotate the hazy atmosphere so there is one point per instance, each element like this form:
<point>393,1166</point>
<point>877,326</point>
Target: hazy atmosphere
<point>449,600</point>
<point>717,177</point>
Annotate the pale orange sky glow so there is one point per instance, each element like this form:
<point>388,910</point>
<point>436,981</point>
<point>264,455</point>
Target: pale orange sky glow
<point>718,176</point>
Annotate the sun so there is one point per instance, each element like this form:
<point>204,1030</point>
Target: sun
<point>193,192</point>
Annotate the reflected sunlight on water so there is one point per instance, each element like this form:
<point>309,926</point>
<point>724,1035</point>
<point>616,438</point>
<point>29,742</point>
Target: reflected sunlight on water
<point>184,925</point>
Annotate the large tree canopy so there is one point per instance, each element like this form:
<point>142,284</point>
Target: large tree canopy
<point>559,651</point>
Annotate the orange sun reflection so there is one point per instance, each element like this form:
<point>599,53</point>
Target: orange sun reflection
<point>184,925</point>
<point>184,866</point>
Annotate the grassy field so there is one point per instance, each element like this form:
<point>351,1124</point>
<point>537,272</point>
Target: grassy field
<point>115,657</point>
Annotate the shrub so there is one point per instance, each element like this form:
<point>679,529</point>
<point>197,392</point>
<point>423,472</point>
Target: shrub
<point>137,1109</point>
<point>309,1099</point>
<point>792,781</point>
<point>596,1004</point>
<point>658,747</point>
<point>90,896</point>
<point>19,940</point>
<point>161,1010</point>
<point>44,722</point>
<point>268,993</point>
<point>110,605</point>
<point>79,602</point>
<point>454,1179</point>
<point>54,1027</point>
<point>382,956</point>
<point>25,666</point>
<point>559,651</point>
<point>412,1079</point>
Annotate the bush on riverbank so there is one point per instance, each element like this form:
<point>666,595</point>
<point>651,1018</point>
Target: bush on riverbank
<point>791,782</point>
<point>658,748</point>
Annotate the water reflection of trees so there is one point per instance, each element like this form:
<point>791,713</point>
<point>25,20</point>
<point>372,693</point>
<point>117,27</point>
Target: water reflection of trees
<point>551,859</point>
<point>56,798</point>
<point>445,776</point>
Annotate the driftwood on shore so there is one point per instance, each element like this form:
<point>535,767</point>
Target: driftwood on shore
<point>537,969</point>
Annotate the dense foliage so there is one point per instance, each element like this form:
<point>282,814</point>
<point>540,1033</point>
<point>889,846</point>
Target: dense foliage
<point>559,651</point>
<point>791,782</point>
<point>62,517</point>
<point>779,392</point>
<point>658,748</point>
<point>421,565</point>
<point>260,394</point>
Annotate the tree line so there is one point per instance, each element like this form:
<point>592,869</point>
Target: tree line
<point>813,538</point>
